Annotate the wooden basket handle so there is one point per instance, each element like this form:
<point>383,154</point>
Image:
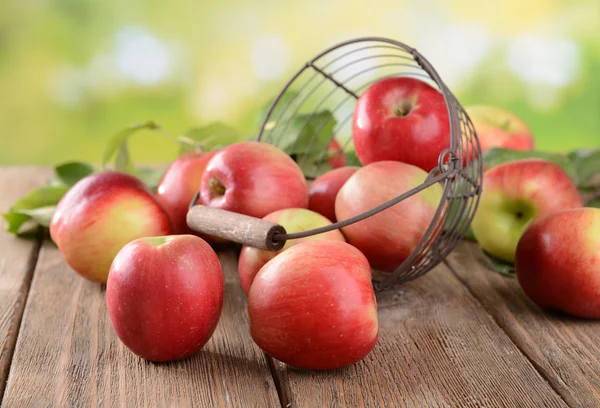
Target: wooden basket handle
<point>235,227</point>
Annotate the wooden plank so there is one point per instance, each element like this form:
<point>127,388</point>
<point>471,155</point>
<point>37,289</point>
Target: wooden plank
<point>17,262</point>
<point>565,350</point>
<point>68,354</point>
<point>437,348</point>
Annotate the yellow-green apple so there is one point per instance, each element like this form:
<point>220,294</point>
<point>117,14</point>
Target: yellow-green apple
<point>401,119</point>
<point>164,296</point>
<point>293,220</point>
<point>178,185</point>
<point>558,261</point>
<point>388,237</point>
<point>253,178</point>
<point>499,127</point>
<point>323,190</point>
<point>313,306</point>
<point>99,215</point>
<point>337,157</point>
<point>515,193</point>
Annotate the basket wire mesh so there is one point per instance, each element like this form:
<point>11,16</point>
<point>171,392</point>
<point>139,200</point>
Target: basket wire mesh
<point>321,97</point>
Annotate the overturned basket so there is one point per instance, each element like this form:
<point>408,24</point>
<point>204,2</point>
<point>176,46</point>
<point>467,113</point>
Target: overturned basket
<point>332,82</point>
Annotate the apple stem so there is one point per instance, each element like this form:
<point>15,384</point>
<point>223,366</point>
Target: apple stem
<point>403,109</point>
<point>217,187</point>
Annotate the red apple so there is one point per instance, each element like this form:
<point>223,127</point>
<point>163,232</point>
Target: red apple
<point>99,215</point>
<point>179,184</point>
<point>253,178</point>
<point>558,261</point>
<point>390,236</point>
<point>514,194</point>
<point>337,158</point>
<point>164,296</point>
<point>313,306</point>
<point>401,119</point>
<point>498,127</point>
<point>293,220</point>
<point>323,190</point>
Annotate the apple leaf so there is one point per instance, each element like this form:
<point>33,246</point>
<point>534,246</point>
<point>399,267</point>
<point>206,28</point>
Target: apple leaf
<point>309,135</point>
<point>210,137</point>
<point>352,159</point>
<point>20,212</point>
<point>595,203</point>
<point>71,172</point>
<point>496,156</point>
<point>42,215</point>
<point>151,176</point>
<point>498,265</point>
<point>469,236</point>
<point>118,144</point>
<point>587,166</point>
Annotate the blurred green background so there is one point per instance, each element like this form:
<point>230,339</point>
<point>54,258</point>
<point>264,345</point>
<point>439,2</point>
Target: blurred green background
<point>74,72</point>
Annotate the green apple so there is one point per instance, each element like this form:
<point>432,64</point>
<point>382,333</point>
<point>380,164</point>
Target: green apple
<point>514,194</point>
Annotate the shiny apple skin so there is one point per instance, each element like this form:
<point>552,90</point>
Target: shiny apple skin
<point>165,301</point>
<point>313,306</point>
<point>99,215</point>
<point>257,178</point>
<point>417,137</point>
<point>390,236</point>
<point>558,262</point>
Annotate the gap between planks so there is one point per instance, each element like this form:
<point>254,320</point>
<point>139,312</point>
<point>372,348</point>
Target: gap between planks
<point>498,322</point>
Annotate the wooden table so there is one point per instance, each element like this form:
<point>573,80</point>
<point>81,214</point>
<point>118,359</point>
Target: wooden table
<point>459,336</point>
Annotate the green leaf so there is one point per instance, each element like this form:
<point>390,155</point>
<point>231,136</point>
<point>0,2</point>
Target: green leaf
<point>14,221</point>
<point>42,215</point>
<point>352,159</point>
<point>496,156</point>
<point>118,144</point>
<point>210,137</point>
<point>43,196</point>
<point>150,176</point>
<point>469,236</point>
<point>71,172</point>
<point>309,134</point>
<point>282,112</point>
<point>498,265</point>
<point>595,203</point>
<point>586,164</point>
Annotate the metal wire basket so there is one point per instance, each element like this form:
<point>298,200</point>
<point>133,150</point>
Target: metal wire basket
<point>333,81</point>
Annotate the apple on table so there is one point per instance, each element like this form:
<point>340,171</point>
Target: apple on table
<point>514,194</point>
<point>558,261</point>
<point>401,119</point>
<point>99,215</point>
<point>164,296</point>
<point>313,306</point>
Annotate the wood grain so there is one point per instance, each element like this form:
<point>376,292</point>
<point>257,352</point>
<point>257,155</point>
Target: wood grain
<point>565,350</point>
<point>68,354</point>
<point>437,348</point>
<point>17,261</point>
